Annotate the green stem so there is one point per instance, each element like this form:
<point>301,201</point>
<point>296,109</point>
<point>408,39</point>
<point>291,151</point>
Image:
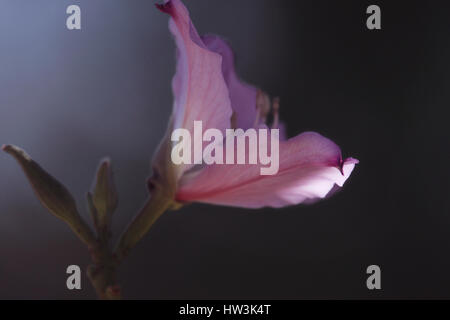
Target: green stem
<point>142,222</point>
<point>102,273</point>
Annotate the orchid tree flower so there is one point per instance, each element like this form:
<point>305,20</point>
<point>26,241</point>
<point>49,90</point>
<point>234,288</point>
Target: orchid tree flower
<point>206,88</point>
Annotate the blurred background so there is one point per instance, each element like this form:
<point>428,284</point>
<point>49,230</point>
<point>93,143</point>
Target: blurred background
<point>71,98</point>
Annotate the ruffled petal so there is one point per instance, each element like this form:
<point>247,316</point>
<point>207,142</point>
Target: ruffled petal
<point>200,91</point>
<point>310,166</point>
<point>242,95</point>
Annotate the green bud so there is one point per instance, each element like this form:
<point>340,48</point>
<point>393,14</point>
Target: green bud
<point>51,193</point>
<point>104,199</point>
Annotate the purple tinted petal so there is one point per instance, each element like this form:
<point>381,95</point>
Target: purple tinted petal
<point>242,95</point>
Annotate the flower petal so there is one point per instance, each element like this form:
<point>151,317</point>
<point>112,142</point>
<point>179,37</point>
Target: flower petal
<point>242,95</point>
<point>198,85</point>
<point>310,165</point>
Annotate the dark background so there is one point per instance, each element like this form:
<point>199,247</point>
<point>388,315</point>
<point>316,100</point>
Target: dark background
<point>72,97</point>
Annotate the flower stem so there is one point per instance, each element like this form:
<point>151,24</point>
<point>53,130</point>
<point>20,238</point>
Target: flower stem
<point>159,202</point>
<point>102,273</point>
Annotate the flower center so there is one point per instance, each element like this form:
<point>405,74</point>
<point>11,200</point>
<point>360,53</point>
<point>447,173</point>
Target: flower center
<point>266,108</point>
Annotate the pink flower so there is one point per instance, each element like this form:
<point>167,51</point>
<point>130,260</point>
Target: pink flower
<point>207,88</point>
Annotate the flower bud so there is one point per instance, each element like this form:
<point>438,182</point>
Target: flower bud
<point>51,193</point>
<point>104,196</point>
